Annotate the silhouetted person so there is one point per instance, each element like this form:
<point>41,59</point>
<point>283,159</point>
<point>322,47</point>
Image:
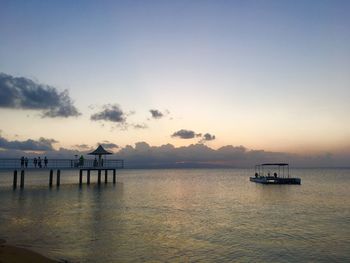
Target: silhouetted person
<point>35,161</point>
<point>26,162</point>
<point>101,162</point>
<point>275,175</point>
<point>256,175</point>
<point>95,162</point>
<point>39,162</point>
<point>22,161</point>
<point>45,161</point>
<point>81,160</point>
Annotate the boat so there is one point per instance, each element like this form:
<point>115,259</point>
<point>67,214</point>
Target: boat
<point>263,174</point>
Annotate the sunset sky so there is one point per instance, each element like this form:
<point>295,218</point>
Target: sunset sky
<point>272,75</point>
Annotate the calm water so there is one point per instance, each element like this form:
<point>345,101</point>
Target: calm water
<point>182,215</point>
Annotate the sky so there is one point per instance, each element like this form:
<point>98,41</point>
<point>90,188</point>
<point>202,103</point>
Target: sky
<point>265,75</point>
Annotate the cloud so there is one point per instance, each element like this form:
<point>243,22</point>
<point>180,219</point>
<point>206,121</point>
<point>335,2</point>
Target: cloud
<point>140,126</point>
<point>195,155</point>
<point>110,112</point>
<point>82,147</point>
<point>142,155</point>
<point>108,145</point>
<point>42,144</point>
<point>185,134</point>
<point>207,137</point>
<point>23,93</point>
<point>114,114</point>
<point>156,114</point>
<point>189,134</point>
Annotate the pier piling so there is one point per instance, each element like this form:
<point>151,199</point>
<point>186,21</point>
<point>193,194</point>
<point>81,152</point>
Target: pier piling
<point>22,179</point>
<point>58,178</point>
<point>114,177</point>
<point>106,176</point>
<point>80,177</point>
<point>88,177</point>
<point>14,179</point>
<point>99,177</point>
<point>51,178</point>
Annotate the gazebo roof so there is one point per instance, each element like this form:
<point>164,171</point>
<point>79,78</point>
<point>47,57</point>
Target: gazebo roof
<point>100,151</point>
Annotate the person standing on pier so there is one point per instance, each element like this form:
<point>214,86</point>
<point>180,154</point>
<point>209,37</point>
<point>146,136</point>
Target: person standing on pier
<point>35,161</point>
<point>81,161</point>
<point>39,162</point>
<point>26,162</point>
<point>22,161</point>
<point>45,161</point>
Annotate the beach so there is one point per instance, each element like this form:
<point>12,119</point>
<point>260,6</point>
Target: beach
<point>14,254</point>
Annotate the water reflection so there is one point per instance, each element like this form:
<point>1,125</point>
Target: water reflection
<point>274,193</point>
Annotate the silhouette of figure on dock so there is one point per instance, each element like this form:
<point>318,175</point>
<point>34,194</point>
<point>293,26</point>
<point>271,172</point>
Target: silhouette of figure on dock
<point>26,162</point>
<point>22,161</point>
<point>81,161</point>
<point>39,162</point>
<point>35,161</point>
<point>45,161</point>
<point>95,162</point>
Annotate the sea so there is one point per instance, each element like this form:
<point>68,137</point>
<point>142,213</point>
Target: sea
<point>180,215</point>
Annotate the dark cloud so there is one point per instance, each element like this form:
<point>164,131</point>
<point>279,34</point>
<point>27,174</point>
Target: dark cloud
<point>207,137</point>
<point>110,112</point>
<point>42,144</point>
<point>186,134</point>
<point>23,93</point>
<point>114,114</point>
<point>156,114</point>
<point>108,145</point>
<point>189,134</point>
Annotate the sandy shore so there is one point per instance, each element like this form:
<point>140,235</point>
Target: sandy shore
<point>12,254</point>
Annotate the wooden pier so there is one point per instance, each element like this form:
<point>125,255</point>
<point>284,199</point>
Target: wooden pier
<point>55,167</point>
<point>100,163</point>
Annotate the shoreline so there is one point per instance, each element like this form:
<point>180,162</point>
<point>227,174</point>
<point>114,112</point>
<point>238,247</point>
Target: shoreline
<point>13,254</point>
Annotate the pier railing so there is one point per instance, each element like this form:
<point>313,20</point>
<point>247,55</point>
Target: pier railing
<point>60,163</point>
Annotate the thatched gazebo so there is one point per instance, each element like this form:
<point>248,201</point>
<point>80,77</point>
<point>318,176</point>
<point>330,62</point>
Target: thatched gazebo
<point>100,151</point>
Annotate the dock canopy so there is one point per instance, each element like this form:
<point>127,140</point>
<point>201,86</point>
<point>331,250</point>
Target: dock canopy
<point>100,151</point>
